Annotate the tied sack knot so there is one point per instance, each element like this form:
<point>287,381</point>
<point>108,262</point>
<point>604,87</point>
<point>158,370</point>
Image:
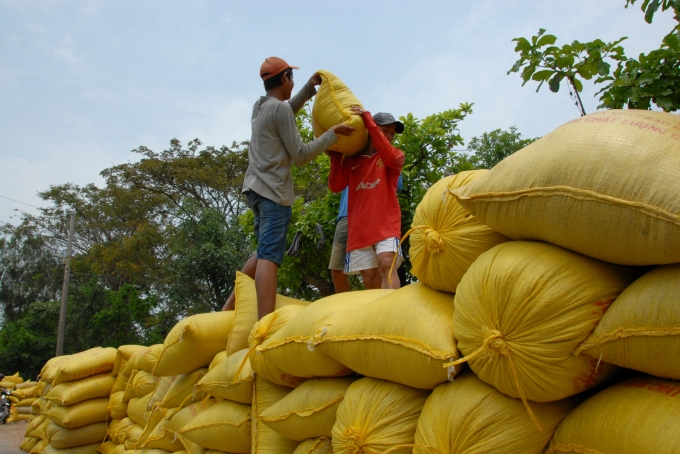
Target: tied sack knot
<point>433,241</point>
<point>494,339</point>
<point>355,442</point>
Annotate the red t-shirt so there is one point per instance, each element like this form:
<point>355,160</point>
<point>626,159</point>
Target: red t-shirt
<point>373,212</point>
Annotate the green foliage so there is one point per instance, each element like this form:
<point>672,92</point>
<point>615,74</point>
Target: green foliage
<point>492,147</point>
<point>540,60</point>
<point>206,251</point>
<point>636,84</point>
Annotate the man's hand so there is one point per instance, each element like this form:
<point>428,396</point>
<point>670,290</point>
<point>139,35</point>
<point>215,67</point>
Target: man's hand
<point>315,80</point>
<point>356,110</point>
<point>343,129</point>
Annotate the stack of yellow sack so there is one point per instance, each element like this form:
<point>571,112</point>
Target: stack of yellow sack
<point>25,391</point>
<point>542,323</point>
<point>75,403</point>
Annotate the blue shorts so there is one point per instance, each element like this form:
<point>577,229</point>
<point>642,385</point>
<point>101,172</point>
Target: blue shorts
<point>271,226</point>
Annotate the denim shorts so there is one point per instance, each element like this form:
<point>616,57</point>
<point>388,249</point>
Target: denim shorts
<point>271,227</point>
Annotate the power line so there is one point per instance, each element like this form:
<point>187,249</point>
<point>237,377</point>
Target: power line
<point>23,203</point>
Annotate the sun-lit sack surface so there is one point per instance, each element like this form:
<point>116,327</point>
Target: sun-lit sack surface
<point>292,348</point>
<point>636,416</point>
<point>468,415</point>
<point>445,237</point>
<point>641,329</point>
<point>405,337</point>
<point>523,308</point>
<point>331,107</point>
<point>605,185</point>
<point>223,427</point>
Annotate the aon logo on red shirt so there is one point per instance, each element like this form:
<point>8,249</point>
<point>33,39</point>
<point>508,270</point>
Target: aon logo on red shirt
<point>363,185</point>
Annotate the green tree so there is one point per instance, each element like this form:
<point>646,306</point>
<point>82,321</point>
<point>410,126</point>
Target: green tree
<point>652,79</point>
<point>492,147</point>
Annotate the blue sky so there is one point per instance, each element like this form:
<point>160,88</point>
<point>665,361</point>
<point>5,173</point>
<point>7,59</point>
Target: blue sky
<point>84,82</point>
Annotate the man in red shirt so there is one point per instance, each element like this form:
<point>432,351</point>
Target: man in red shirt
<point>374,215</point>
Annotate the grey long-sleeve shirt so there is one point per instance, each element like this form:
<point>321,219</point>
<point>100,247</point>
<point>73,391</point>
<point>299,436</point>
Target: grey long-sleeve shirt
<point>276,143</point>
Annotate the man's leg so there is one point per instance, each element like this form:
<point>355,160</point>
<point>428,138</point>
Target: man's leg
<point>371,278</point>
<point>340,281</point>
<point>384,264</point>
<point>249,270</point>
<point>265,285</point>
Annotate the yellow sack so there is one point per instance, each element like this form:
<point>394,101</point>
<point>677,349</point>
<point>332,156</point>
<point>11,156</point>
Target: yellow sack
<point>7,384</point>
<point>85,449</point>
<point>604,185</point>
<point>264,439</point>
<point>28,443</point>
<point>24,407</point>
<point>264,329</point>
<point>245,313</point>
<point>224,427</point>
<point>62,438</point>
<point>72,392</point>
<point>521,310</point>
<point>182,390</point>
<point>164,436</point>
<point>144,359</point>
<point>155,417</point>
<point>129,387</point>
<point>309,411</point>
<point>288,349</point>
<point>113,428</point>
<point>33,424</point>
<point>121,379</point>
<point>27,384</point>
<point>144,383</point>
<point>635,416</point>
<point>30,392</point>
<point>193,343</point>
<point>16,379</point>
<point>39,431</point>
<point>19,394</point>
<point>49,370</point>
<point>85,364</point>
<point>123,355</point>
<point>321,445</point>
<point>80,414</point>
<point>222,381</point>
<point>137,409</point>
<point>118,408</point>
<point>377,415</point>
<point>331,107</point>
<point>132,436</point>
<point>14,400</point>
<point>161,390</point>
<point>40,406</point>
<point>221,356</point>
<point>641,330</point>
<point>107,447</point>
<point>37,449</point>
<point>467,415</point>
<point>404,337</point>
<point>445,238</point>
<point>124,425</point>
<point>25,417</point>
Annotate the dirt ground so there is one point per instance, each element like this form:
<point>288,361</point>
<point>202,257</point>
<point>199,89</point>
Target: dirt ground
<point>11,436</point>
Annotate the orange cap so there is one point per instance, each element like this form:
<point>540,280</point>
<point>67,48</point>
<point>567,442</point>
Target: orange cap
<point>272,66</point>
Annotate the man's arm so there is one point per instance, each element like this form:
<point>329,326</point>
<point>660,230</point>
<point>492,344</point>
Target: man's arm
<point>305,94</point>
<point>338,178</point>
<point>391,156</point>
<point>300,152</point>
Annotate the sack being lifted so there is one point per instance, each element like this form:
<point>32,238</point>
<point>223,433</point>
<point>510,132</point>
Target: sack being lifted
<point>331,107</point>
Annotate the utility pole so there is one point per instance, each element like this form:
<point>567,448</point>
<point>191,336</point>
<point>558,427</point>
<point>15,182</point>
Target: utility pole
<point>64,289</point>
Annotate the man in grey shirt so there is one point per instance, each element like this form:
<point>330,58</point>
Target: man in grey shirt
<point>275,145</point>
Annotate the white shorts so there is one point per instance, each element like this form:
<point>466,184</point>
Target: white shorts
<point>367,258</point>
